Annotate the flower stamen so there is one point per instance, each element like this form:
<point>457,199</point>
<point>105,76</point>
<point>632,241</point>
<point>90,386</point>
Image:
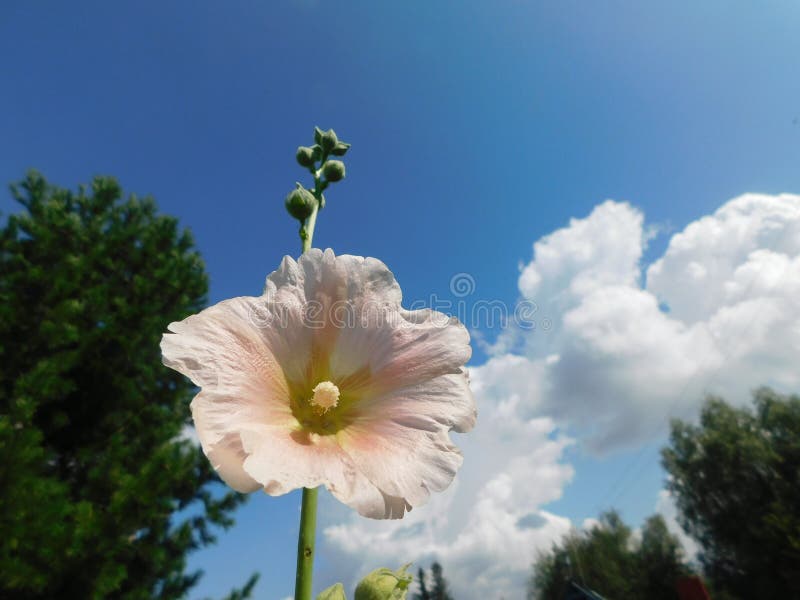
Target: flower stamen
<point>326,396</point>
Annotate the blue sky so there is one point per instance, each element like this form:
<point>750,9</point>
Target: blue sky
<point>477,129</point>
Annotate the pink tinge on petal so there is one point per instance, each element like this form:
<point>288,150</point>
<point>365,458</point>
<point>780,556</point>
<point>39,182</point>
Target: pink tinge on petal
<point>221,347</point>
<point>397,353</point>
<point>442,402</point>
<point>283,461</point>
<point>404,462</point>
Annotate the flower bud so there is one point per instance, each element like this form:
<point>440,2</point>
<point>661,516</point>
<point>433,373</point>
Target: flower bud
<point>340,149</point>
<point>300,203</point>
<point>335,592</point>
<point>328,140</point>
<point>333,170</point>
<point>305,156</point>
<point>317,135</point>
<point>384,584</point>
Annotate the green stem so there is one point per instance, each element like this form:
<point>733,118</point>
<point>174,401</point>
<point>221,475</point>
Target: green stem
<point>309,228</point>
<point>305,545</point>
<point>308,508</point>
<point>311,222</point>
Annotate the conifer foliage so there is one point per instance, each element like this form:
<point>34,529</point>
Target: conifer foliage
<point>93,466</point>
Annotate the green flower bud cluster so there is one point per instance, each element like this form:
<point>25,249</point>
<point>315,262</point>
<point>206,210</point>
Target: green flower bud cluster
<point>302,203</point>
<point>381,584</point>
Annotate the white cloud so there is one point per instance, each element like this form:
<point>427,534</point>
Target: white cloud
<point>665,506</point>
<point>719,313</point>
<point>630,345</point>
<point>724,258</point>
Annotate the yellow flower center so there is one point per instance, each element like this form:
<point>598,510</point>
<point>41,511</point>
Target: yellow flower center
<point>326,396</point>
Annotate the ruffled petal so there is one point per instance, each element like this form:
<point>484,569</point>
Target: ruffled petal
<point>221,351</point>
<point>393,348</point>
<point>443,402</point>
<point>403,462</point>
<point>227,457</point>
<point>282,461</point>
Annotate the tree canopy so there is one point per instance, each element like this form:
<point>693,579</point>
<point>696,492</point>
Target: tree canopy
<point>611,561</point>
<point>93,464</point>
<point>439,588</point>
<point>736,480</point>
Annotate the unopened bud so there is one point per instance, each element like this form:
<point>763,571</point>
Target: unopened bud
<point>300,203</point>
<point>333,170</point>
<point>305,156</point>
<point>328,140</point>
<point>384,584</point>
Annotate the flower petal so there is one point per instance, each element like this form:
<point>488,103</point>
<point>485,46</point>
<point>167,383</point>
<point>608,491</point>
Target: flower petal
<point>221,351</point>
<point>443,402</point>
<point>282,462</point>
<point>227,457</point>
<point>403,462</point>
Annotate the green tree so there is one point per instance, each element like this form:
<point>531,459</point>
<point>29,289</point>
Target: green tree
<point>423,593</point>
<point>608,559</point>
<point>440,590</point>
<point>93,468</point>
<point>660,560</point>
<point>736,480</point>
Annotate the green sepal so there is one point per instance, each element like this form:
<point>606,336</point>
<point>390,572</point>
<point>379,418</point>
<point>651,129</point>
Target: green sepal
<point>335,592</point>
<point>328,140</point>
<point>340,149</point>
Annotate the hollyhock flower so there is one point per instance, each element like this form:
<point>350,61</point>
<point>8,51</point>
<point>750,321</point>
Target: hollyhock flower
<point>326,380</point>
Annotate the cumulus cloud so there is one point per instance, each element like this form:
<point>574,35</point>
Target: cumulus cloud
<point>628,346</point>
<point>636,344</point>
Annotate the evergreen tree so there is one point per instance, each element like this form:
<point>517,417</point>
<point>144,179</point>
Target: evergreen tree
<point>93,467</point>
<point>440,590</point>
<point>608,560</point>
<point>423,593</point>
<point>736,480</point>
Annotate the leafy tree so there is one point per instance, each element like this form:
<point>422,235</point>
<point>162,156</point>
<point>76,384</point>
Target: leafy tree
<point>660,562</point>
<point>93,467</point>
<point>736,480</point>
<point>439,590</point>
<point>608,560</point>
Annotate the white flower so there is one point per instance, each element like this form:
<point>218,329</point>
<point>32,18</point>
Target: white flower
<point>326,380</point>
